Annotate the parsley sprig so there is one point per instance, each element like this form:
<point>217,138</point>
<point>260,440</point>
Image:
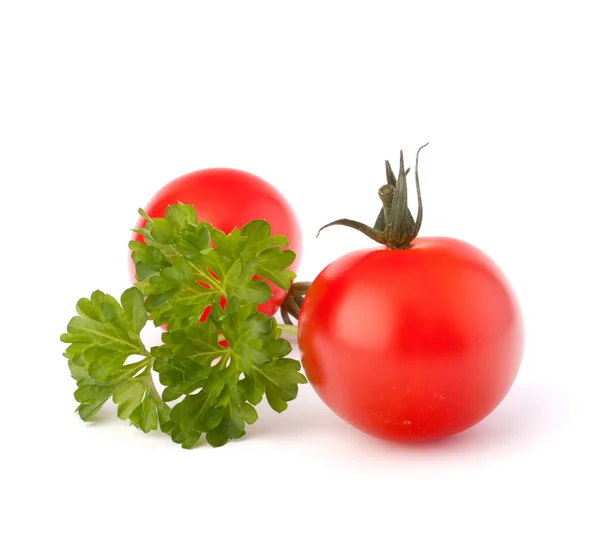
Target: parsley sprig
<point>216,369</point>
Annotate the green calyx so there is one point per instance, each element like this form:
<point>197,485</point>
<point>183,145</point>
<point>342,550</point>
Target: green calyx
<point>395,226</point>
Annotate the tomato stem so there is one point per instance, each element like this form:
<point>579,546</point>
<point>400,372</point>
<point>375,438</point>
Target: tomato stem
<point>293,301</point>
<point>395,226</point>
<point>386,194</point>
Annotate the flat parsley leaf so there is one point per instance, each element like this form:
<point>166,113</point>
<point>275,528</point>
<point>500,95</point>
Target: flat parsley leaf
<point>101,338</point>
<point>220,356</point>
<point>184,266</point>
<point>222,385</point>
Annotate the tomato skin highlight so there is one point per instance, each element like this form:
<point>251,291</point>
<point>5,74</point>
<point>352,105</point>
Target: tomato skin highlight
<point>413,344</point>
<point>230,198</point>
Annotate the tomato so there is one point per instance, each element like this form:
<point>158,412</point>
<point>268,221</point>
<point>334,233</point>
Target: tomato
<point>229,198</point>
<point>412,344</point>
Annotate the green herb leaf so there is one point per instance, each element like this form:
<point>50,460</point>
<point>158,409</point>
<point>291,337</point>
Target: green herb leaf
<point>181,273</point>
<point>219,356</point>
<point>222,385</point>
<point>101,338</point>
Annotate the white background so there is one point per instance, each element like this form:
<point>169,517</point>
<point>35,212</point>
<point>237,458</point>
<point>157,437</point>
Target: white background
<point>101,103</point>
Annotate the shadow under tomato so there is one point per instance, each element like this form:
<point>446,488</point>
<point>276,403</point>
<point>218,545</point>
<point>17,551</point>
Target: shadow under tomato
<point>528,416</point>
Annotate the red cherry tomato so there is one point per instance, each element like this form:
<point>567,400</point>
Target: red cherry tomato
<point>412,344</point>
<point>229,198</point>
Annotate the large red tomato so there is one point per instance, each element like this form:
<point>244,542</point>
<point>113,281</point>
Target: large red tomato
<point>229,198</point>
<point>412,344</point>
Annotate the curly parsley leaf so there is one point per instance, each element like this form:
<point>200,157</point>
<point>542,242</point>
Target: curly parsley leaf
<point>220,355</point>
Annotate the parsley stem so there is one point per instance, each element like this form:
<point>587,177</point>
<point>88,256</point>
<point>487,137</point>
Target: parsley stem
<point>152,387</point>
<point>289,329</point>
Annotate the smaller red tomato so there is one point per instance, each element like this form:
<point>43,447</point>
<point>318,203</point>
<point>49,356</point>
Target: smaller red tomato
<point>229,198</point>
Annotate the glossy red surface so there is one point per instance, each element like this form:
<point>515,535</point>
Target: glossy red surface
<point>229,198</point>
<point>412,344</point>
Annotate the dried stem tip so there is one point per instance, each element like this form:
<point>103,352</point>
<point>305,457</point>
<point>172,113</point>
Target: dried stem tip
<point>395,226</point>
